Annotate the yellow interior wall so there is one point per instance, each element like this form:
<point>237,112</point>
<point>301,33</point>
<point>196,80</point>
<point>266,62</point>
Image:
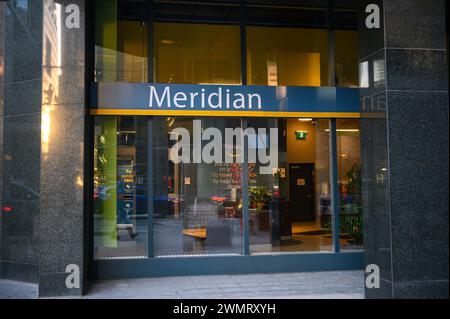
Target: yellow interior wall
<point>300,68</point>
<point>132,38</point>
<point>300,55</point>
<point>300,151</point>
<point>197,53</point>
<point>346,57</point>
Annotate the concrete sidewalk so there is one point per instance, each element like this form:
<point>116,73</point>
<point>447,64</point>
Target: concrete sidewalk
<point>10,289</point>
<point>305,285</point>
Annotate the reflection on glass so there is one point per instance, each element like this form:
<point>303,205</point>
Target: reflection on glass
<point>346,58</point>
<point>363,74</point>
<point>197,193</point>
<point>121,43</point>
<point>197,202</point>
<point>349,178</point>
<point>120,196</point>
<point>289,210</point>
<point>197,53</point>
<point>379,73</point>
<point>287,56</point>
<point>52,76</point>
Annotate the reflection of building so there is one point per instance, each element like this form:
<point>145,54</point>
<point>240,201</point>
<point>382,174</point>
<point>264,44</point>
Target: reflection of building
<point>87,177</point>
<point>51,71</point>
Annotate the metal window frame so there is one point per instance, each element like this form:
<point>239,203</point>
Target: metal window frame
<point>334,186</point>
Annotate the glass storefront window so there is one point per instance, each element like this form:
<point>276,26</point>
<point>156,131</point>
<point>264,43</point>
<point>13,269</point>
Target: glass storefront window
<point>120,192</point>
<point>197,195</point>
<point>204,11</point>
<point>121,41</point>
<point>287,14</point>
<point>289,210</point>
<point>197,207</point>
<point>346,58</point>
<point>267,190</point>
<point>208,51</point>
<point>197,199</point>
<point>287,56</point>
<point>197,53</point>
<point>349,180</point>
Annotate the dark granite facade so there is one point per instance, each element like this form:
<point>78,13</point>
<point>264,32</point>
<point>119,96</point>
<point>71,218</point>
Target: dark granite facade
<point>43,122</point>
<point>404,131</point>
<point>2,68</point>
<point>21,140</point>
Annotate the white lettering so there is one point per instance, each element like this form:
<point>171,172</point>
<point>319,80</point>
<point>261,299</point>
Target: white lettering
<point>212,152</point>
<point>179,97</point>
<point>197,141</point>
<point>165,96</point>
<point>73,279</point>
<point>193,95</point>
<point>258,100</point>
<point>73,17</point>
<point>272,157</point>
<point>373,276</point>
<point>201,100</point>
<point>218,95</point>
<point>373,19</point>
<point>239,102</point>
<point>182,146</point>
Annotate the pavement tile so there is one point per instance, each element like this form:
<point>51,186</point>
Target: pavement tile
<point>306,285</point>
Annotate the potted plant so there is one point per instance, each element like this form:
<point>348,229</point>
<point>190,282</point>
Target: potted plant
<point>351,205</point>
<point>258,195</point>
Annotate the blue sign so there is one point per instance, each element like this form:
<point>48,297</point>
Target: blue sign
<point>223,100</point>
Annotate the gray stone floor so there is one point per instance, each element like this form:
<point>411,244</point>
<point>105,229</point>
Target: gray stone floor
<point>306,285</point>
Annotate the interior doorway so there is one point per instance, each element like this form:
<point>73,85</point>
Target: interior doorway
<point>301,191</point>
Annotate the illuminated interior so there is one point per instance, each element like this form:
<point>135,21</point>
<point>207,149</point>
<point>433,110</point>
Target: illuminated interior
<point>197,207</point>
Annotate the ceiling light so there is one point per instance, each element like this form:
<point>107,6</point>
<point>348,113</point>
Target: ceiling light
<point>344,130</point>
<point>305,119</point>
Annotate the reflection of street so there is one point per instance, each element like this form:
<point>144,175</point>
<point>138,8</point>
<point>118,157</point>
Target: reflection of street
<point>168,233</point>
<point>126,244</point>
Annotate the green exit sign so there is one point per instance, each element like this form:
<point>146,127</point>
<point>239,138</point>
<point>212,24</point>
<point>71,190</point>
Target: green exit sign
<point>301,135</point>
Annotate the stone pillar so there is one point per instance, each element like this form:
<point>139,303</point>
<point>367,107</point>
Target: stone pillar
<point>61,228</point>
<point>43,123</point>
<point>2,69</point>
<point>404,131</point>
<point>21,140</point>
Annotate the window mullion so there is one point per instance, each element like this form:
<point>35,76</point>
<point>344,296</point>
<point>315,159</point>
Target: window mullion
<point>245,215</point>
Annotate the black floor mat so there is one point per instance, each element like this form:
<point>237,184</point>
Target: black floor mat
<point>313,233</point>
<point>344,236</point>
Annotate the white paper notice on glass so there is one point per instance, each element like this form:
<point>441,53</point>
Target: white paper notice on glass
<point>187,181</point>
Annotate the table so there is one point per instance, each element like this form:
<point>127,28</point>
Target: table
<point>199,233</point>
